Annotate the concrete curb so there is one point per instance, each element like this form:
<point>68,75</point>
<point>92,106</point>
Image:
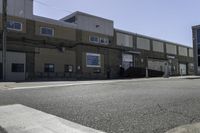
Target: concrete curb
<point>26,85</point>
<point>193,128</point>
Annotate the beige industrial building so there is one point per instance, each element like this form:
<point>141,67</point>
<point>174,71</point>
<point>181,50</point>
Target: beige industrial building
<point>83,46</point>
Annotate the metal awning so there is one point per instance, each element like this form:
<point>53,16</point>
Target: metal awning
<point>132,52</point>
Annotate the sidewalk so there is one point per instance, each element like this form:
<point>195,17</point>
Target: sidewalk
<point>31,85</point>
<point>191,128</point>
<point>22,119</point>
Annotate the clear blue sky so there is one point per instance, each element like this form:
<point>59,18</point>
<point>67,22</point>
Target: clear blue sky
<point>165,19</point>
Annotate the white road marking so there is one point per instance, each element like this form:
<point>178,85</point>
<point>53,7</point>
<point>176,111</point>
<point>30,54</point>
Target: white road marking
<point>20,119</point>
<point>81,83</point>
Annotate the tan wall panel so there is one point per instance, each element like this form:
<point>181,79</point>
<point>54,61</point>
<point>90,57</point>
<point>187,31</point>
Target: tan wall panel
<point>143,43</point>
<point>182,51</point>
<point>54,56</point>
<point>171,49</point>
<point>59,32</point>
<point>158,46</point>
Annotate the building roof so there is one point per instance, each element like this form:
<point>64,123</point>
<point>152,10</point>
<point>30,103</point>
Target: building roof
<point>82,13</point>
<point>55,22</point>
<point>196,26</point>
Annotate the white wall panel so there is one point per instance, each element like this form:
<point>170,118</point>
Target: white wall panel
<point>158,46</point>
<point>95,24</point>
<point>20,8</point>
<point>171,49</point>
<point>182,51</point>
<point>143,43</point>
<point>124,40</point>
<point>191,53</point>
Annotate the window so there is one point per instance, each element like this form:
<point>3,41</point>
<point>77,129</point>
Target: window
<point>49,68</point>
<point>104,41</point>
<point>13,25</point>
<point>93,60</point>
<point>17,67</point>
<point>198,36</point>
<point>71,20</point>
<point>94,39</point>
<point>68,68</point>
<point>46,31</point>
<point>198,51</point>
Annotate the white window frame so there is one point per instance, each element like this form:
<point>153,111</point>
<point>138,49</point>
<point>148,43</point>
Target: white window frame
<point>94,41</point>
<point>47,34</point>
<point>106,40</point>
<point>14,28</point>
<point>93,54</point>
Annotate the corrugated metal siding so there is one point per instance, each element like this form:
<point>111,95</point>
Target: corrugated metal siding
<point>158,46</point>
<point>191,53</point>
<point>171,49</point>
<point>124,40</point>
<point>143,43</point>
<point>182,51</point>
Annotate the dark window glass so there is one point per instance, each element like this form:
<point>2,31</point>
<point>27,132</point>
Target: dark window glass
<point>17,67</point>
<point>47,31</point>
<point>198,36</point>
<point>14,25</point>
<point>94,39</point>
<point>68,68</point>
<point>198,60</point>
<point>49,68</point>
<point>71,20</point>
<point>93,60</point>
<point>198,51</point>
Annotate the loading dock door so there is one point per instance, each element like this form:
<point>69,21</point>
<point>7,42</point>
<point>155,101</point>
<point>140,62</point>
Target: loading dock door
<point>158,65</point>
<point>127,61</point>
<point>183,69</point>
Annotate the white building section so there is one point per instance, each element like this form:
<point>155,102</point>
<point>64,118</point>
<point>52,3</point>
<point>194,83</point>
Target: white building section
<point>15,66</point>
<point>91,23</point>
<point>19,8</point>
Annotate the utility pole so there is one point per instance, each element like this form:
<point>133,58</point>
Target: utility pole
<point>4,38</point>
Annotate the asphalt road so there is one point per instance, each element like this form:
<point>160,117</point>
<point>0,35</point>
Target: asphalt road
<point>124,107</point>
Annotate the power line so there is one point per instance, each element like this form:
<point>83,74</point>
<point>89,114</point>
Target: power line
<point>53,7</point>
